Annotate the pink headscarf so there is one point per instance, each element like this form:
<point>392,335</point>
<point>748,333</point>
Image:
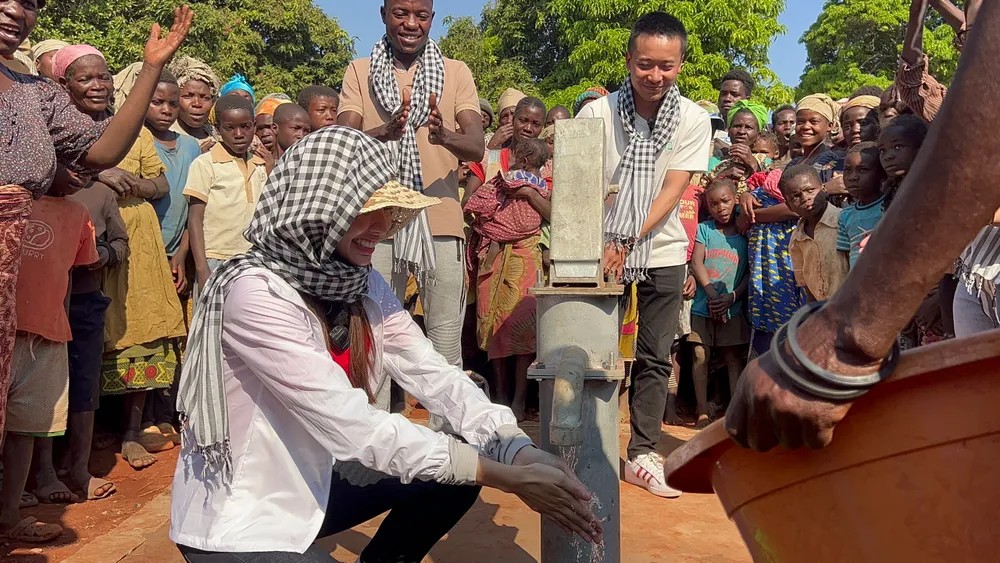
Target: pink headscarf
<point>69,55</point>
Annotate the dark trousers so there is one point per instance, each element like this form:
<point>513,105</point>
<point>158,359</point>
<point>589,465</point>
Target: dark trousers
<point>420,514</point>
<point>659,300</point>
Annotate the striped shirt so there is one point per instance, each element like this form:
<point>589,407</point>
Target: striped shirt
<point>980,263</point>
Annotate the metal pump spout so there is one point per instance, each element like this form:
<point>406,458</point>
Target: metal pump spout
<point>566,427</point>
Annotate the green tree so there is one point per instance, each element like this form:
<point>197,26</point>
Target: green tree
<point>280,46</point>
<point>856,43</point>
<point>568,46</point>
<point>465,41</point>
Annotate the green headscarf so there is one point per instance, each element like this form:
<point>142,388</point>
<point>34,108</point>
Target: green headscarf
<point>759,111</point>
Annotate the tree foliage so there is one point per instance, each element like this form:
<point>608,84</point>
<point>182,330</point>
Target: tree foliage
<point>855,43</point>
<point>279,46</point>
<point>567,46</point>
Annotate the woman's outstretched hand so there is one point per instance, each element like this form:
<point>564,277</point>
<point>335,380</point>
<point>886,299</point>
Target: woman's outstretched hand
<point>548,486</point>
<point>159,48</point>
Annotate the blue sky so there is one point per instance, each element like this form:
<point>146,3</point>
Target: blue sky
<point>787,55</point>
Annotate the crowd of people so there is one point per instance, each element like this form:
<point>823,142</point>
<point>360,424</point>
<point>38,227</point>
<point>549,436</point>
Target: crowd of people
<point>204,252</point>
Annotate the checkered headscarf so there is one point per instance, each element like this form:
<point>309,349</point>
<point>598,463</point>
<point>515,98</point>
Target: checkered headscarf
<point>413,247</point>
<point>311,198</point>
<point>638,186</point>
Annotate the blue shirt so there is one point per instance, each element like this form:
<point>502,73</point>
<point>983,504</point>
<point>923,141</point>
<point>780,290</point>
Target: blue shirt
<point>856,222</point>
<point>726,262</point>
<point>172,209</point>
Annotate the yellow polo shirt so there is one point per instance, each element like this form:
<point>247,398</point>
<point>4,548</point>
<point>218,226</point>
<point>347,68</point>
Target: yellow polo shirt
<point>230,187</point>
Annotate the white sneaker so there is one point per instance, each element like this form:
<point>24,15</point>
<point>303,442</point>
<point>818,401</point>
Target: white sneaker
<point>646,471</point>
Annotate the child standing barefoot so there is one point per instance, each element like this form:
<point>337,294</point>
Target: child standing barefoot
<point>721,267</point>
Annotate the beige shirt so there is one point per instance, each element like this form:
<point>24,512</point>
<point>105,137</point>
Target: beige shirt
<point>438,164</point>
<point>818,266</point>
<point>230,188</point>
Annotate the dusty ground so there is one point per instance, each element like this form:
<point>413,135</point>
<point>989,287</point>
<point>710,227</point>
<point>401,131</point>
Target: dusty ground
<point>132,526</point>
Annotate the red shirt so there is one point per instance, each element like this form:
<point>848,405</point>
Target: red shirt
<point>690,205</point>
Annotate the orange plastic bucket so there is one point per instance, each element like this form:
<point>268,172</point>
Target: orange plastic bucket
<point>913,473</point>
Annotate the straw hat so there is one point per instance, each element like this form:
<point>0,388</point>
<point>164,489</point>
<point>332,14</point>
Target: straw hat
<point>404,203</point>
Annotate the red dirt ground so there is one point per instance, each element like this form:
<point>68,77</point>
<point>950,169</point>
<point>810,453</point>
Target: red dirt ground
<point>691,529</point>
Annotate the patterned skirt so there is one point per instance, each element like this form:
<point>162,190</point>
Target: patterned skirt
<point>505,311</point>
<point>15,208</point>
<point>140,368</point>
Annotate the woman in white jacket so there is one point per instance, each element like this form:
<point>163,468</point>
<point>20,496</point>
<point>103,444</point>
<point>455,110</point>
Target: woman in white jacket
<point>289,346</point>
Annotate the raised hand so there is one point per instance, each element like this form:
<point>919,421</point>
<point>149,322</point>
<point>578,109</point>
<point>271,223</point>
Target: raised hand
<point>397,121</point>
<point>502,135</point>
<point>159,49</point>
<point>435,124</point>
<point>742,153</point>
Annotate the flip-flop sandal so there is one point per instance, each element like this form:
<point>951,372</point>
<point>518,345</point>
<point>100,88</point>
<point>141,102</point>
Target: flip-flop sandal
<point>95,484</point>
<point>45,494</point>
<point>28,500</point>
<point>30,530</point>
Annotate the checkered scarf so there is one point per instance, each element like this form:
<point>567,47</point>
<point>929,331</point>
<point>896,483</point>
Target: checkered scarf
<point>638,187</point>
<point>311,198</point>
<point>413,248</point>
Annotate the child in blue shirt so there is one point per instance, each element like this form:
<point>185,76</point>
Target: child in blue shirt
<point>863,177</point>
<point>720,265</point>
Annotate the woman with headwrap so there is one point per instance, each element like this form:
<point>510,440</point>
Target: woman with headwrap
<point>144,321</point>
<point>587,96</point>
<point>289,346</point>
<point>238,85</point>
<point>501,139</point>
<point>859,120</point>
<point>199,90</point>
<point>42,53</point>
<point>43,127</point>
<point>745,122</point>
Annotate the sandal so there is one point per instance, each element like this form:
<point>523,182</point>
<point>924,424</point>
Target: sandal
<point>96,484</point>
<point>30,530</point>
<point>169,432</point>
<point>153,441</point>
<point>28,500</point>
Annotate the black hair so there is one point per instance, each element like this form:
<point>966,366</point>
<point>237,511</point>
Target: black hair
<point>867,91</point>
<point>867,148</point>
<point>530,102</point>
<point>534,150</point>
<point>286,112</point>
<point>768,137</point>
<point>718,183</point>
<point>563,108</point>
<point>309,93</point>
<point>774,116</point>
<point>232,102</point>
<point>659,24</point>
<point>167,78</point>
<point>914,128</point>
<point>740,75</point>
<point>793,173</point>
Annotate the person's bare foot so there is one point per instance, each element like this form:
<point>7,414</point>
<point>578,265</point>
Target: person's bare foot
<point>703,421</point>
<point>671,418</point>
<point>50,490</point>
<point>136,455</point>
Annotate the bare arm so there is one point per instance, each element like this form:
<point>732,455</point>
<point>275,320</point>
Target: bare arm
<point>953,16</point>
<point>154,189</point>
<point>124,128</point>
<point>774,214</point>
<point>473,184</point>
<point>539,203</point>
<point>700,272</point>
<point>196,237</point>
<point>670,195</point>
<point>468,145</point>
<point>913,44</point>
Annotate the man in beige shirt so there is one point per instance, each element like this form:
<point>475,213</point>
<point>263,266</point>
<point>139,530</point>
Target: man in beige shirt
<point>442,114</point>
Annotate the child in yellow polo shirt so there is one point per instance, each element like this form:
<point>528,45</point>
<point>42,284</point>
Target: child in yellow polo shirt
<point>223,186</point>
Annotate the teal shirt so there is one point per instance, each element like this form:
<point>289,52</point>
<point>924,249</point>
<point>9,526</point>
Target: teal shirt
<point>857,222</point>
<point>172,209</point>
<point>726,262</point>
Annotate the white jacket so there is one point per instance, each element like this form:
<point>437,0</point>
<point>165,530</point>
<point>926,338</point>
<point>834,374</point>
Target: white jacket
<point>293,413</point>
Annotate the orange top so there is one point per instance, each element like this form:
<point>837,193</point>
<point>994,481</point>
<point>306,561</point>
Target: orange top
<point>58,237</point>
